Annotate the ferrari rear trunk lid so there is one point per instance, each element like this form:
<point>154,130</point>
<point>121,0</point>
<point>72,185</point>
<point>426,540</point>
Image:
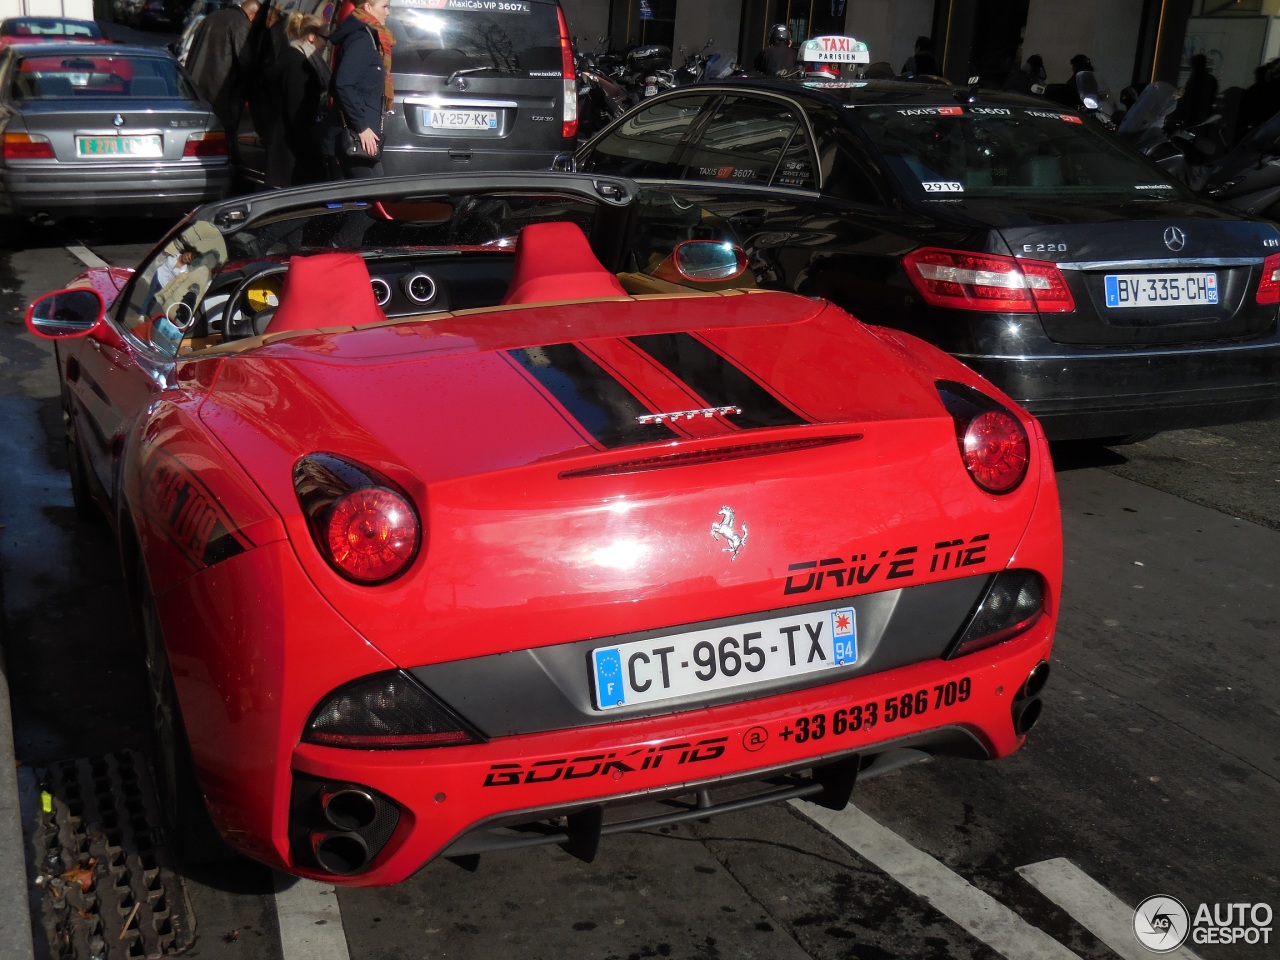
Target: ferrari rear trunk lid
<point>590,469</point>
<point>470,394</point>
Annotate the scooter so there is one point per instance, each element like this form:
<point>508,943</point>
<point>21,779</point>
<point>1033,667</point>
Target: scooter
<point>1248,177</point>
<point>1191,154</point>
<point>601,94</point>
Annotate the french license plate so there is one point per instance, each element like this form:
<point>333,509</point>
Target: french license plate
<point>1160,289</point>
<point>140,146</point>
<point>460,119</point>
<point>718,658</point>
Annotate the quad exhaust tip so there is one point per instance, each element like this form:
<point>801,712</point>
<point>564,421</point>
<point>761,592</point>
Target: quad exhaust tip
<point>343,851</point>
<point>1025,715</point>
<point>349,808</point>
<point>1035,681</point>
<point>340,853</point>
<point>1027,705</point>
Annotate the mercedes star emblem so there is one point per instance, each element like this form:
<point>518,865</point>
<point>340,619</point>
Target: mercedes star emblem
<point>1175,239</point>
<point>118,120</point>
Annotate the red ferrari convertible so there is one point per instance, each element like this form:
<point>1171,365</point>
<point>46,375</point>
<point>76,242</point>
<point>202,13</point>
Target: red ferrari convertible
<point>462,514</point>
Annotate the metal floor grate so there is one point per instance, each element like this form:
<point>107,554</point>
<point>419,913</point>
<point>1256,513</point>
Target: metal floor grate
<point>106,888</point>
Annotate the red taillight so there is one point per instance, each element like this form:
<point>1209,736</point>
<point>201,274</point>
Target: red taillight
<point>371,535</point>
<point>27,146</point>
<point>211,144</point>
<point>996,451</point>
<point>569,127</point>
<point>993,443</point>
<point>1269,285</point>
<point>364,526</point>
<point>969,281</point>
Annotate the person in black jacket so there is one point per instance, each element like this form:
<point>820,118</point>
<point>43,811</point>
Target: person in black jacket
<point>298,82</point>
<point>221,63</point>
<point>778,59</point>
<point>362,85</point>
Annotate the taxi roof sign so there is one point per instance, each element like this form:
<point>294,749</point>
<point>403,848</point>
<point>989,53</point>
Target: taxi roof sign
<point>834,49</point>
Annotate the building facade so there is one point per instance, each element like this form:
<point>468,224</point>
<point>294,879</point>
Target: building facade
<point>1129,41</point>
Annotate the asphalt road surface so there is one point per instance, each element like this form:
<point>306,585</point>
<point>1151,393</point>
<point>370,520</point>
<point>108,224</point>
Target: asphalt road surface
<point>1152,773</point>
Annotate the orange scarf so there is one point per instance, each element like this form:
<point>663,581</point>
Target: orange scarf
<point>385,42</point>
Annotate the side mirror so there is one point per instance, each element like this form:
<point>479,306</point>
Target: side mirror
<point>709,261</point>
<point>66,313</point>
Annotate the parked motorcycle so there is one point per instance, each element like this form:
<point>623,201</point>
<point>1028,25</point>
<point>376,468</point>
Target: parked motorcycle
<point>1190,154</point>
<point>1248,176</point>
<point>644,64</point>
<point>603,92</point>
<point>1084,92</point>
<point>694,67</point>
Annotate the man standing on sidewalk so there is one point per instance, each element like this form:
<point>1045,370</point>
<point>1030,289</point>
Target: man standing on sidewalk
<point>222,64</point>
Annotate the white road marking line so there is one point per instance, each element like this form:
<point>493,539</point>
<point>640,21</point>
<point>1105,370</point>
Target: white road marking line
<point>87,256</point>
<point>1093,906</point>
<point>310,920</point>
<point>981,915</point>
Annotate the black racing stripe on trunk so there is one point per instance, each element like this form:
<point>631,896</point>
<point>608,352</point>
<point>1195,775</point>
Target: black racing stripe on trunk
<point>718,380</point>
<point>604,407</point>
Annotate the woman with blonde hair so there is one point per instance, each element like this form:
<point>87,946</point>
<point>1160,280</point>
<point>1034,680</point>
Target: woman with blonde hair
<point>299,79</point>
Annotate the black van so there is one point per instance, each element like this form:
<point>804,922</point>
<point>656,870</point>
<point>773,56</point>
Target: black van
<point>479,85</point>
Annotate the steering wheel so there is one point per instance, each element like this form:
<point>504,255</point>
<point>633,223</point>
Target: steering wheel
<point>253,302</point>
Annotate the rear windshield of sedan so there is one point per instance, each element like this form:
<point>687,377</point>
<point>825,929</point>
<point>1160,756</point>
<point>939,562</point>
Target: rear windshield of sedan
<point>38,27</point>
<point>441,37</point>
<point>72,77</point>
<point>953,152</point>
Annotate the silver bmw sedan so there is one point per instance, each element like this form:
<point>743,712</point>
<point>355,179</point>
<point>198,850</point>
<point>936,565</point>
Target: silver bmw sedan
<point>104,131</point>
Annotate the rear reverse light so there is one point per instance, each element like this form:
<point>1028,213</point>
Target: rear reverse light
<point>1269,285</point>
<point>970,281</point>
<point>1013,604</point>
<point>993,443</point>
<point>27,146</point>
<point>569,128</point>
<point>364,527</point>
<point>387,710</point>
<point>210,144</point>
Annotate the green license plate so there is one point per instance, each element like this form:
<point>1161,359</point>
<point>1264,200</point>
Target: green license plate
<point>143,146</point>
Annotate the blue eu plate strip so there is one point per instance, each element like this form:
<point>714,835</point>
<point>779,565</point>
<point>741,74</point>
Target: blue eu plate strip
<point>608,664</point>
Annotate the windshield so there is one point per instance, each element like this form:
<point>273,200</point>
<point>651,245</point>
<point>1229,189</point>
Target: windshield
<point>958,152</point>
<point>84,75</point>
<point>441,37</point>
<point>426,252</point>
<point>31,27</point>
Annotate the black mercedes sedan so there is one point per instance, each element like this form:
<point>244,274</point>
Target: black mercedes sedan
<point>1017,235</point>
